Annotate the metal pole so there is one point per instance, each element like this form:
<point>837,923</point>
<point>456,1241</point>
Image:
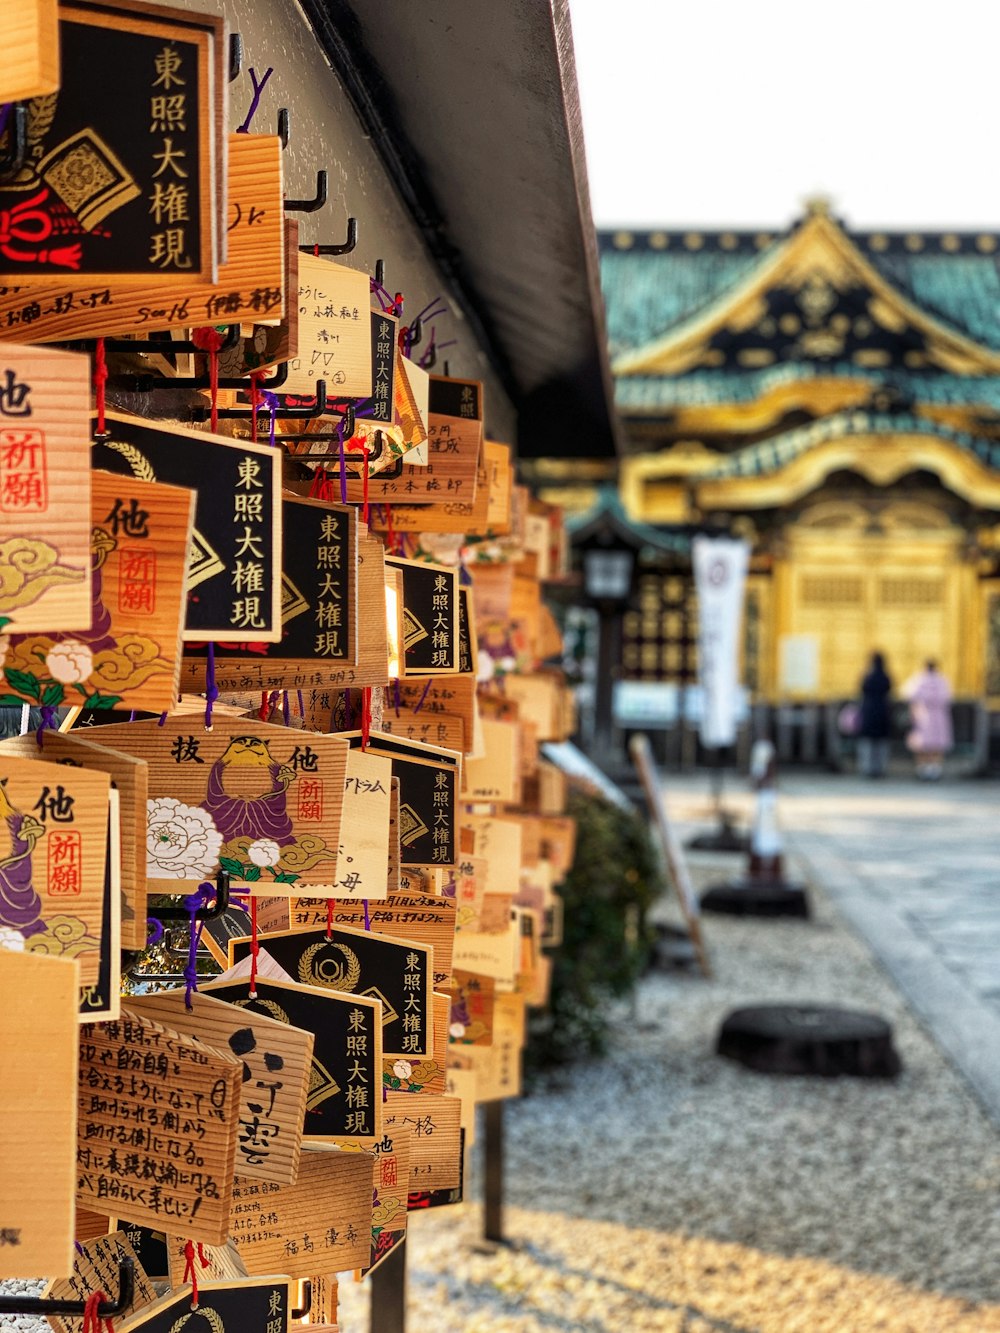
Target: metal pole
<point>493,1217</point>
<point>604,685</point>
<point>388,1306</point>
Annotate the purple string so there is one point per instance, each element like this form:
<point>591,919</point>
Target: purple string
<point>49,722</point>
<point>270,401</point>
<point>272,704</point>
<point>423,696</point>
<point>396,699</point>
<point>286,711</point>
<point>302,704</point>
<point>163,719</point>
<point>154,931</point>
<point>385,300</point>
<point>79,1248</point>
<point>368,920</point>
<point>258,88</point>
<point>131,716</point>
<point>343,463</point>
<point>211,689</point>
<point>464,577</point>
<point>5,111</point>
<point>201,898</point>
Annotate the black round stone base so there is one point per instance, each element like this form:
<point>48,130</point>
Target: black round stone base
<point>673,949</point>
<point>809,1039</point>
<point>748,897</point>
<point>723,839</point>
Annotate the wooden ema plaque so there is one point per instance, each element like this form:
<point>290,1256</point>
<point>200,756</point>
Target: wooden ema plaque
<point>455,437</point>
<point>133,1157</point>
<point>52,873</point>
<point>390,1195</point>
<point>434,1123</point>
<point>487,514</point>
<point>495,776</point>
<point>323,1222</point>
<point>101,999</point>
<point>412,913</point>
<point>472,1002</point>
<point>129,776</point>
<point>425,700</point>
<point>319,607</point>
<point>97,1267</point>
<point>223,1307</point>
<point>121,185</point>
<point>399,973</point>
<point>428,1074</point>
<point>38,1056</point>
<point>29,59</point>
<point>44,489</point>
<point>223,1262</point>
<point>430,617</point>
<point>363,858</point>
<point>429,780</point>
<point>251,283</point>
<point>342,1100</point>
<point>498,843</point>
<point>129,655</point>
<point>234,572</point>
<point>260,802</point>
<point>276,1069</point>
<point>334,321</point>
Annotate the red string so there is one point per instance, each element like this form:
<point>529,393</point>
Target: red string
<point>92,1320</point>
<point>363,449</point>
<point>254,946</point>
<point>366,716</point>
<point>321,487</point>
<point>190,1272</point>
<point>262,712</point>
<point>331,907</point>
<point>210,340</point>
<point>100,380</point>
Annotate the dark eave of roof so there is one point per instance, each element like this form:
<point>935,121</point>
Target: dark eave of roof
<point>475,111</point>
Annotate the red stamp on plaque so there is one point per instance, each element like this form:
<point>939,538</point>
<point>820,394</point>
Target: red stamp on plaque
<point>24,487</point>
<point>310,799</point>
<point>65,865</point>
<point>137,580</point>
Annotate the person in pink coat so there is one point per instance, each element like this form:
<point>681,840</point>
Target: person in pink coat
<point>931,738</point>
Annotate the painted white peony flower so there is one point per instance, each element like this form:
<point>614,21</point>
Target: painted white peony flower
<point>69,662</point>
<point>182,841</point>
<point>402,1069</point>
<point>11,939</point>
<point>264,852</point>
<point>457,1030</point>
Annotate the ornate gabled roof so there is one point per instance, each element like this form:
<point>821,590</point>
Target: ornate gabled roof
<point>936,300</point>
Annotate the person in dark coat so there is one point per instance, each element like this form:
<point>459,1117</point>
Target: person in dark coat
<point>875,727</point>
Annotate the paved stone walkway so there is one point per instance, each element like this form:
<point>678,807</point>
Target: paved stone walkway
<point>916,870</point>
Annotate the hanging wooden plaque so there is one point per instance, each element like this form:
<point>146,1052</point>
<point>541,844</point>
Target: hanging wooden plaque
<point>38,1113</point>
<point>428,729</point>
<point>258,801</point>
<point>322,1222</point>
<point>430,617</point>
<point>101,999</point>
<point>276,1068</point>
<point>411,418</point>
<point>412,913</point>
<point>251,284</point>
<point>223,1262</point>
<point>29,59</point>
<point>182,1172</point>
<point>498,843</point>
<point>122,184</point>
<point>390,1194</point>
<point>495,776</point>
<point>429,780</point>
<point>129,656</point>
<point>97,1267</point>
<point>234,572</point>
<point>237,1307</point>
<point>472,1003</point>
<point>399,973</point>
<point>363,858</point>
<point>342,1100</point>
<point>44,489</point>
<point>52,876</point>
<point>427,1074</point>
<point>130,779</point>
<point>430,698</point>
<point>319,608</point>
<point>435,1136</point>
<point>149,1246</point>
<point>334,338</point>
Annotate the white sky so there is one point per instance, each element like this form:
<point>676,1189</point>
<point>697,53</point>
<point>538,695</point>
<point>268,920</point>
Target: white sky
<point>732,112</point>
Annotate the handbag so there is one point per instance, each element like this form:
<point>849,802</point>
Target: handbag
<point>849,720</point>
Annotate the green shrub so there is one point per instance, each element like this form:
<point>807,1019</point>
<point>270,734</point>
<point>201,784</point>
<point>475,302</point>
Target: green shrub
<point>606,940</point>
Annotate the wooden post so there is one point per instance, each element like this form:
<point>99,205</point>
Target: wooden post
<point>493,1214</point>
<point>388,1307</point>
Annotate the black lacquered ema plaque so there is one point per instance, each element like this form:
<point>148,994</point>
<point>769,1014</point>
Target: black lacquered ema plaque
<point>118,176</point>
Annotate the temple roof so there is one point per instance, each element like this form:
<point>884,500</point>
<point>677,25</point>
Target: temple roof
<point>719,310</point>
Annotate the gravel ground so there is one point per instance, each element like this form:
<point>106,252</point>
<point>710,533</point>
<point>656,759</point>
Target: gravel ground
<point>664,1188</point>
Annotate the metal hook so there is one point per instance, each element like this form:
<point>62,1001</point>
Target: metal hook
<point>235,55</point>
<point>429,359</point>
<point>317,409</point>
<point>283,126</point>
<point>380,272</point>
<point>345,249</point>
<point>106,1310</point>
<point>310,205</point>
<point>220,906</point>
<point>348,422</point>
<point>170,345</point>
<point>17,136</point>
<point>413,335</point>
<point>307,1299</point>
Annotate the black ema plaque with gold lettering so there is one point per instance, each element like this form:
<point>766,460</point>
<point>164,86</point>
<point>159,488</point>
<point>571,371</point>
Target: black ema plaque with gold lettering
<point>119,176</point>
<point>234,573</point>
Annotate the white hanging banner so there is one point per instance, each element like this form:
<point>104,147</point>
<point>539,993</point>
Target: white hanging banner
<point>720,568</point>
